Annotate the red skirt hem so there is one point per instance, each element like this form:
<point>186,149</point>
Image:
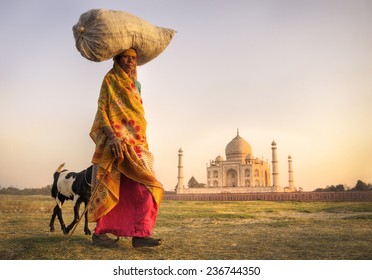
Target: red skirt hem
<point>135,214</point>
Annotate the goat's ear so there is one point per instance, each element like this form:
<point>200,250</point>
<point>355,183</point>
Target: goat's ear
<point>60,167</point>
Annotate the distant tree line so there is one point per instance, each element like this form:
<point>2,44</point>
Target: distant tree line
<point>32,191</point>
<point>360,186</point>
<point>193,183</point>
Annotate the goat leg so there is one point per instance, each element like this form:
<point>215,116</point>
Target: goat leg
<point>76,216</point>
<point>59,215</point>
<point>86,228</point>
<point>51,224</point>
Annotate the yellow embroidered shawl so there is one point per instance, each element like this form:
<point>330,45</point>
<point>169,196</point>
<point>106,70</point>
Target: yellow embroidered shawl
<point>120,106</point>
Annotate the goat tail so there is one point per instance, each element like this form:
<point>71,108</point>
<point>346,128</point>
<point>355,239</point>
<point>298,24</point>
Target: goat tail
<point>54,190</point>
<point>60,168</point>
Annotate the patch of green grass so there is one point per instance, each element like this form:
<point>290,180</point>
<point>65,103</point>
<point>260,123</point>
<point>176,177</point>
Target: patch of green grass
<point>359,217</point>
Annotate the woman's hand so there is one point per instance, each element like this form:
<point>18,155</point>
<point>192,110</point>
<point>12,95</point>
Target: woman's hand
<point>114,142</point>
<point>115,147</point>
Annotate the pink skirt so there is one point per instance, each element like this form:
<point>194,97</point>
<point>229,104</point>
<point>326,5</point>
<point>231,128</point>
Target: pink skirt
<point>135,214</point>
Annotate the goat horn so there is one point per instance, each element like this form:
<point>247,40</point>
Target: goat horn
<point>60,167</point>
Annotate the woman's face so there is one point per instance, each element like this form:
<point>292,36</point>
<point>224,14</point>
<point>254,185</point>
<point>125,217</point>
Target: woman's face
<point>128,63</point>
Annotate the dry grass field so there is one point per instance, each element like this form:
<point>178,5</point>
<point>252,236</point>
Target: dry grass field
<point>245,230</point>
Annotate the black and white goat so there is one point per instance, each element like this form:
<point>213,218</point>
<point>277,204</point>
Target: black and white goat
<point>71,186</point>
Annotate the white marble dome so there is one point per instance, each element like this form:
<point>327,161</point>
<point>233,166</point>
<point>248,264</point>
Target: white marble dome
<point>249,157</point>
<point>218,159</point>
<point>237,149</point>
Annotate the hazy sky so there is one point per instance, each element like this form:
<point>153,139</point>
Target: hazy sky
<point>297,72</point>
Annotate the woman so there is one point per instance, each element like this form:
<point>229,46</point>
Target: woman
<point>127,200</point>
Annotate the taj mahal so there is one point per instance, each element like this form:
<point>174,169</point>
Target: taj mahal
<point>241,172</point>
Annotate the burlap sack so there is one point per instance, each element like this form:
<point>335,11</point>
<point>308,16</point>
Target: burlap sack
<point>102,34</point>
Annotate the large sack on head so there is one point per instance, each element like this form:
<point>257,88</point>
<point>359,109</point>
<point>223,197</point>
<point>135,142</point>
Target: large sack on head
<point>102,34</point>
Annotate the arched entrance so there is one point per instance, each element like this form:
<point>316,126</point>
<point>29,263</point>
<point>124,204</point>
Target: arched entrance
<point>231,178</point>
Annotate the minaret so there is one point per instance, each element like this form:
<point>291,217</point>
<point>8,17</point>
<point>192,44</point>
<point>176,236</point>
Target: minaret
<point>180,186</point>
<point>275,167</point>
<point>290,175</point>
